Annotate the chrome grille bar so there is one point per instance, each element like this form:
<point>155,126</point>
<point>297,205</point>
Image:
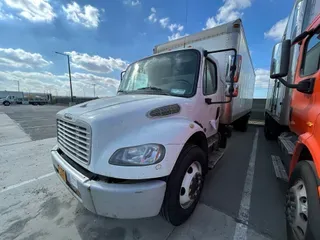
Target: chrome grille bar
<point>75,140</point>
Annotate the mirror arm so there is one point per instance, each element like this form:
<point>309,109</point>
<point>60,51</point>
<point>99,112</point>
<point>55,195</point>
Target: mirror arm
<point>288,85</point>
<point>209,101</point>
<point>232,68</point>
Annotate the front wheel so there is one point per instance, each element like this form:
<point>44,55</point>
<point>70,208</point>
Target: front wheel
<point>6,103</point>
<point>302,204</point>
<point>184,185</point>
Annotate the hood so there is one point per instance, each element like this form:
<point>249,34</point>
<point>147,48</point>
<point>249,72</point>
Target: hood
<point>122,105</point>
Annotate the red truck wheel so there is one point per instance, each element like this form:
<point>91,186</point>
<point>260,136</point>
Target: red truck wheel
<point>303,204</point>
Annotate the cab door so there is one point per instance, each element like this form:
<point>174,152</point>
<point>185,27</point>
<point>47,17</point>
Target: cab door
<point>305,107</point>
<point>210,113</point>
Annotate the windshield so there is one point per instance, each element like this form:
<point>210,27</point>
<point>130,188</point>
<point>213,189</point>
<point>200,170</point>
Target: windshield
<point>173,73</point>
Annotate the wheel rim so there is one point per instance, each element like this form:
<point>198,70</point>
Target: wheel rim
<point>297,209</point>
<point>191,185</point>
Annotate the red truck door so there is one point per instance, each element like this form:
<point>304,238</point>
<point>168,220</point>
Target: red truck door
<point>305,107</point>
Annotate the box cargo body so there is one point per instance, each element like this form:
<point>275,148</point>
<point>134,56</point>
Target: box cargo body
<point>229,35</point>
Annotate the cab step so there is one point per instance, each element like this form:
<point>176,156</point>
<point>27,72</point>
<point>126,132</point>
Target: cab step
<point>287,142</point>
<point>214,158</point>
<point>279,168</point>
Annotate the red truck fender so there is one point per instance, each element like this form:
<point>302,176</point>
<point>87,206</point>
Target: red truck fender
<point>308,142</point>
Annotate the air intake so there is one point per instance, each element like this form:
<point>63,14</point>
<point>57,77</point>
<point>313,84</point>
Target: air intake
<point>164,111</point>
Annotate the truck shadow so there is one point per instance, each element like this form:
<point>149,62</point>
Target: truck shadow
<point>92,226</point>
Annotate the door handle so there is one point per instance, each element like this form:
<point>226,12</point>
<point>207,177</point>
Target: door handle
<point>208,101</point>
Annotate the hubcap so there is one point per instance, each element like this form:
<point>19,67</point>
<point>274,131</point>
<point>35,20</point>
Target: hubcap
<point>191,185</point>
<point>297,209</point>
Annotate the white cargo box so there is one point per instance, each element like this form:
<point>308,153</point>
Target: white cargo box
<point>229,35</point>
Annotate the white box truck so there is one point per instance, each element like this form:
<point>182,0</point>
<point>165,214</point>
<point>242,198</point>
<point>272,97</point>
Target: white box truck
<point>148,149</point>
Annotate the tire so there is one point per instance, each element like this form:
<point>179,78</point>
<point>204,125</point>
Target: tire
<point>268,134</point>
<point>172,209</point>
<point>303,175</point>
<point>242,124</point>
<point>6,103</point>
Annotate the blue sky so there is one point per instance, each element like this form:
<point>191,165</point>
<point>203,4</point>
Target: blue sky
<point>102,37</point>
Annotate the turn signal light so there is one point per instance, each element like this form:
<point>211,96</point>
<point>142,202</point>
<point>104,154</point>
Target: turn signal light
<point>235,92</point>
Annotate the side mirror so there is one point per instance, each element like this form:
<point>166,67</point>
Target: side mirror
<point>280,59</point>
<point>237,70</point>
<point>306,86</point>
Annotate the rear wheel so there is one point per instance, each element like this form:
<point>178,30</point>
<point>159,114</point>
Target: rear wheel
<point>184,185</point>
<point>242,124</point>
<point>302,204</point>
<point>269,132</point>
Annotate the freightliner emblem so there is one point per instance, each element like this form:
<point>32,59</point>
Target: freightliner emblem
<point>68,116</point>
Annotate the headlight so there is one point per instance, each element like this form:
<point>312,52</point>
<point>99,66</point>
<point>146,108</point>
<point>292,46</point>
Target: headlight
<point>147,154</point>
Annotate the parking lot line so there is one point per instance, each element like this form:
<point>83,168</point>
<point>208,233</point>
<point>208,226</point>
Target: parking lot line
<point>25,182</point>
<point>243,215</point>
<point>41,126</point>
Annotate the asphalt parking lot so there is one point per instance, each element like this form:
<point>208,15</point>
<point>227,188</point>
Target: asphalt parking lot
<point>37,121</point>
<point>241,199</point>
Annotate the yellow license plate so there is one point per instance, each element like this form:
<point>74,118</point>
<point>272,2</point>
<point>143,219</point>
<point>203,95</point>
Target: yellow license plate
<point>62,173</point>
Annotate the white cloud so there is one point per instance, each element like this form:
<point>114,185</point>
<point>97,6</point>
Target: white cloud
<point>34,11</point>
<point>180,28</point>
<point>229,11</point>
<point>152,17</point>
<point>175,36</point>
<point>262,78</point>
<point>210,23</point>
<point>47,81</point>
<point>175,26</point>
<point>164,22</point>
<point>87,16</point>
<point>20,58</point>
<point>96,63</point>
<point>4,15</point>
<point>277,30</point>
<point>132,2</point>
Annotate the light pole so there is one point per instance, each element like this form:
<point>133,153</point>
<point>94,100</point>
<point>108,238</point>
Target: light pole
<point>18,85</point>
<point>68,57</point>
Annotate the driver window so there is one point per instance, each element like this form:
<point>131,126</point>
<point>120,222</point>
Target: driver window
<point>210,79</point>
<point>311,61</point>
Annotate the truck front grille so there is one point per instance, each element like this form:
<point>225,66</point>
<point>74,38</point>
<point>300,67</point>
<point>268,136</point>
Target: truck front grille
<point>74,139</point>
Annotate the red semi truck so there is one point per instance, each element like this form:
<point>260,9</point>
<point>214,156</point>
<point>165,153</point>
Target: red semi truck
<point>302,137</point>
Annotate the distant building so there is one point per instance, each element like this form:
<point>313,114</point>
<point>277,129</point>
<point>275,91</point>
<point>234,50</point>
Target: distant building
<point>17,94</point>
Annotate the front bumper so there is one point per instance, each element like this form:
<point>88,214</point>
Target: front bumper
<point>117,200</point>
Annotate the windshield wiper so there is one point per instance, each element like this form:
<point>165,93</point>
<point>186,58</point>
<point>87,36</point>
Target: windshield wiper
<point>154,89</point>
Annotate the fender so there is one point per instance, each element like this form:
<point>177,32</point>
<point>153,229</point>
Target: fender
<point>172,133</point>
<point>306,140</point>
